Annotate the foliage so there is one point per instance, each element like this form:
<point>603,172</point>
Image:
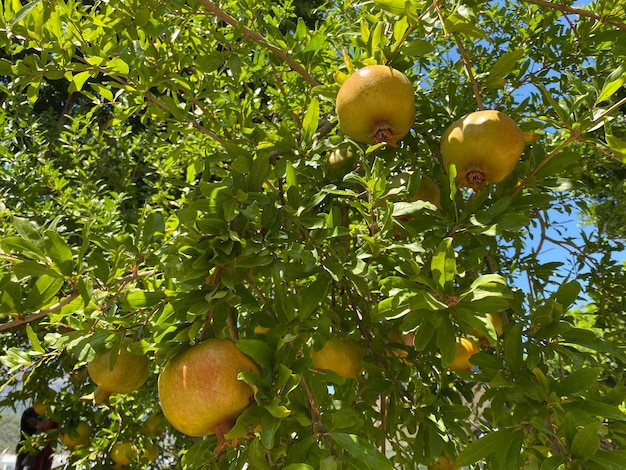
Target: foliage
<point>164,177</point>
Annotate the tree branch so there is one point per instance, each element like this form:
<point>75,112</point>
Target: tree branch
<point>260,40</point>
<point>468,68</point>
<point>38,315</point>
<point>577,11</point>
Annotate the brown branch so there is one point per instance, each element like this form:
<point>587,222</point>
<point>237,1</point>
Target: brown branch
<point>544,162</point>
<point>577,11</point>
<point>468,68</point>
<point>42,313</point>
<point>259,39</point>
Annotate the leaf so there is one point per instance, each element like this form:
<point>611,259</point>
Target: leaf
<point>395,7</point>
<point>589,339</point>
<point>78,81</point>
<point>257,350</point>
<point>446,341</point>
<point>34,340</point>
<point>43,291</point>
<point>443,265</point>
<point>586,441</point>
<point>503,66</point>
<point>362,450</point>
<point>26,9</point>
<point>579,381</point>
<point>118,67</point>
<point>311,121</point>
<point>610,459</point>
<point>135,299</point>
<point>613,83</point>
<point>59,251</point>
<point>617,146</point>
<point>485,446</point>
<point>513,348</point>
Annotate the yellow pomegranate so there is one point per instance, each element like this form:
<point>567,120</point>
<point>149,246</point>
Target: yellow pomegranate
<point>77,436</point>
<point>465,349</point>
<point>485,146</point>
<point>199,390</point>
<point>154,425</point>
<point>123,453</point>
<point>376,104</point>
<point>428,191</point>
<point>343,356</point>
<point>128,373</point>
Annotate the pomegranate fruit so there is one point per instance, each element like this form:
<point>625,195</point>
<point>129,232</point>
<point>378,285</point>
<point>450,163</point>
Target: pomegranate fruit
<point>376,104</point>
<point>123,453</point>
<point>199,390</point>
<point>485,146</point>
<point>77,436</point>
<point>465,349</point>
<point>343,356</point>
<point>128,372</point>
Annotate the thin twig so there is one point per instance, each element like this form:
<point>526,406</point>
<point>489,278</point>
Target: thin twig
<point>468,68</point>
<point>545,161</point>
<point>259,39</point>
<point>577,11</point>
<point>42,313</point>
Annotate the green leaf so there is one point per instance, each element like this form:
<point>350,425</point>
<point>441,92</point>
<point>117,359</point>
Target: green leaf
<point>257,350</point>
<point>505,63</point>
<point>311,121</point>
<point>117,66</point>
<point>395,7</point>
<point>589,339</point>
<point>446,341</point>
<point>34,340</point>
<point>59,251</point>
<point>579,381</point>
<point>613,83</point>
<point>443,265</point>
<point>617,146</point>
<point>485,446</point>
<point>24,11</point>
<point>135,299</point>
<point>43,291</point>
<point>610,459</point>
<point>513,348</point>
<point>587,441</point>
<point>362,450</point>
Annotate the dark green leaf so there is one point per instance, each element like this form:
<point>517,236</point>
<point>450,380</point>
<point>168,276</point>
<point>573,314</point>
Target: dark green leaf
<point>362,450</point>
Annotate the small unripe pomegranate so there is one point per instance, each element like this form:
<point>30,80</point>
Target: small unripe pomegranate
<point>485,146</point>
<point>376,104</point>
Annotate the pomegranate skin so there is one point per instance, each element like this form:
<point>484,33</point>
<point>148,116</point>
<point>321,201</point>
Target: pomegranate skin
<point>485,146</point>
<point>376,104</point>
<point>199,390</point>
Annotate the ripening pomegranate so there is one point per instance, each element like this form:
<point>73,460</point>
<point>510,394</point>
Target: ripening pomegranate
<point>485,146</point>
<point>376,104</point>
<point>128,372</point>
<point>199,390</point>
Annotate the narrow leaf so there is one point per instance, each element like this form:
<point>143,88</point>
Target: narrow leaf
<point>484,447</point>
<point>362,450</point>
<point>311,120</point>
